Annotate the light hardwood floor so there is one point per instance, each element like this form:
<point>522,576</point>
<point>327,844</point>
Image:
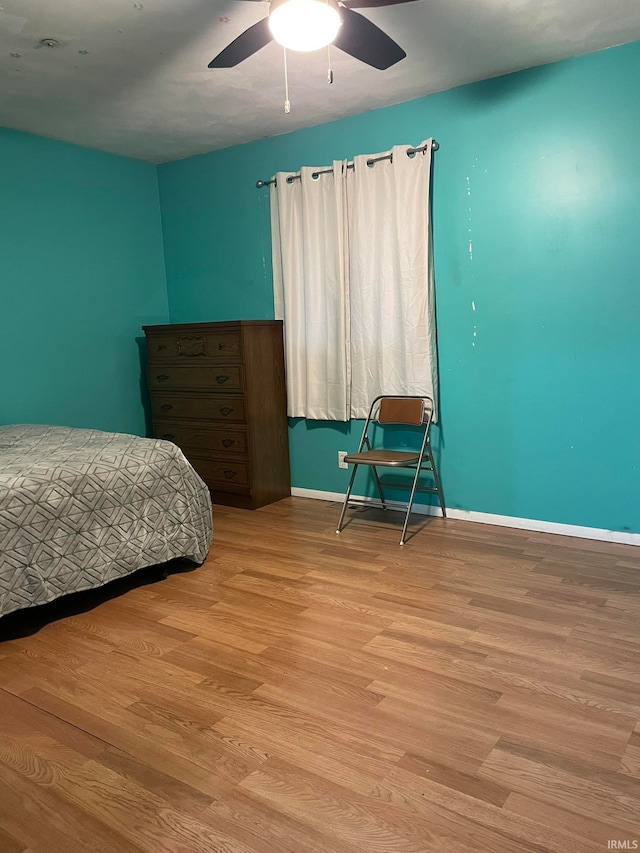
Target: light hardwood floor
<point>476,690</point>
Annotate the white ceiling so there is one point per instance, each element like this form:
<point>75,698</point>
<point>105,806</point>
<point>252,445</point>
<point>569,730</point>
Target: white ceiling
<point>131,77</point>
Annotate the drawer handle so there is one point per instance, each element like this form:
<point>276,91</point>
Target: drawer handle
<point>228,442</point>
<point>229,474</point>
<point>161,346</point>
<point>166,407</point>
<point>162,377</point>
<point>222,379</point>
<point>220,345</point>
<point>168,436</point>
<point>226,410</point>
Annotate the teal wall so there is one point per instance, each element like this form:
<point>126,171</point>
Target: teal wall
<point>81,268</point>
<point>540,395</point>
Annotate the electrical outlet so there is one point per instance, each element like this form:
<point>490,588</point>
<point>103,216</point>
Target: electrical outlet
<point>341,462</point>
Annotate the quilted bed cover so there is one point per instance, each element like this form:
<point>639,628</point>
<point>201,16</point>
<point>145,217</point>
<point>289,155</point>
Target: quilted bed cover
<point>79,508</point>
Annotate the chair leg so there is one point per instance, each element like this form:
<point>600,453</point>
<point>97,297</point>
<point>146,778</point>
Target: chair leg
<point>410,504</point>
<point>379,486</point>
<point>346,498</point>
<point>436,480</point>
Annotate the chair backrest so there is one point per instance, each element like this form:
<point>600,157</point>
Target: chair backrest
<point>404,410</point>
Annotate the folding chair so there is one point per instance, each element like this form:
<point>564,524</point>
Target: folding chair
<point>408,411</point>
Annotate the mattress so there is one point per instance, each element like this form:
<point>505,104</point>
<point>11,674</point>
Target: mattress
<point>80,508</point>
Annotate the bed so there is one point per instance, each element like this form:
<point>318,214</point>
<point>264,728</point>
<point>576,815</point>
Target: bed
<point>80,508</point>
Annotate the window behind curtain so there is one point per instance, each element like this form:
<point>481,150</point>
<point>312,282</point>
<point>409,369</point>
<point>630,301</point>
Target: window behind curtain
<point>353,282</point>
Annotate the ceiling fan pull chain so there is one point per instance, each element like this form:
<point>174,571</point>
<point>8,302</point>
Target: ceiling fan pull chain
<point>330,71</point>
<point>287,104</point>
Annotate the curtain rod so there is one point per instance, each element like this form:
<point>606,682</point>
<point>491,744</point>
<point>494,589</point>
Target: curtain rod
<point>370,162</point>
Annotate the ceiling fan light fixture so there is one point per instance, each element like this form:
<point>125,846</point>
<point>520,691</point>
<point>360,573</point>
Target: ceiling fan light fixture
<point>304,25</point>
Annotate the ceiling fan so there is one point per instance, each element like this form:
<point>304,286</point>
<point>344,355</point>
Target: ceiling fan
<point>307,25</point>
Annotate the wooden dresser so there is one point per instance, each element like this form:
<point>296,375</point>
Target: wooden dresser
<point>218,392</point>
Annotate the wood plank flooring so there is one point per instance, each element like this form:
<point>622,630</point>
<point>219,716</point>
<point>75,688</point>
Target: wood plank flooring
<point>476,690</point>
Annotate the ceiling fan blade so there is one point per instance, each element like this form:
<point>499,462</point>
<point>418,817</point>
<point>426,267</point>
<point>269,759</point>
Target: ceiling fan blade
<point>248,43</point>
<point>360,38</point>
<point>372,4</point>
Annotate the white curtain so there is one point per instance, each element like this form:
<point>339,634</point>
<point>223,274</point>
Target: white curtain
<point>393,336</point>
<point>353,282</point>
<point>310,279</point>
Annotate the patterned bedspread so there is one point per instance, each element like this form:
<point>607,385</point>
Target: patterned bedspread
<point>79,508</point>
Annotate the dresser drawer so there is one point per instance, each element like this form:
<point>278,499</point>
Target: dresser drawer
<point>203,441</point>
<point>202,406</point>
<point>194,347</point>
<point>220,474</point>
<point>202,377</point>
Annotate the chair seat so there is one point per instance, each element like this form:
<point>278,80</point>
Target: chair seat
<point>391,458</point>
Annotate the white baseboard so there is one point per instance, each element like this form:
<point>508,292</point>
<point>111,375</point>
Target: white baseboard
<point>487,518</point>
